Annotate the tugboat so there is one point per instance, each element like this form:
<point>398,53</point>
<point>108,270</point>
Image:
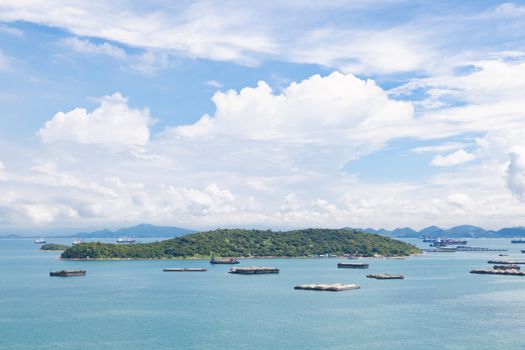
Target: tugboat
<point>125,240</point>
<point>227,261</point>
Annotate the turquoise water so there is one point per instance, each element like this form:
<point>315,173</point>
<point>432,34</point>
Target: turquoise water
<point>134,305</point>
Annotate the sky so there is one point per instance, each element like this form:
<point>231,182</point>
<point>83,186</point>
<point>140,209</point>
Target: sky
<point>274,114</point>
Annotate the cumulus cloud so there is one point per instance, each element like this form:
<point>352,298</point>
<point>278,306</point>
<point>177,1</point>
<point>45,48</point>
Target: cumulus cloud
<point>317,110</point>
<point>516,172</point>
<point>459,157</point>
<point>112,123</point>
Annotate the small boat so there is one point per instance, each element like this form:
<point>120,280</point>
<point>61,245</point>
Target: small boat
<point>125,240</point>
<point>40,241</point>
<point>344,265</point>
<point>77,242</point>
<point>67,273</point>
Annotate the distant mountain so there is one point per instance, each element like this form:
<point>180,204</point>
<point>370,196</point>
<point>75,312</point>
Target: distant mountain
<point>404,232</point>
<point>139,231</point>
<point>468,231</point>
<point>518,231</point>
<point>453,232</point>
<point>432,231</point>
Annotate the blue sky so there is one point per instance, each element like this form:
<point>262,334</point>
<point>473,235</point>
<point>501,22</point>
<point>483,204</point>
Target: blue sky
<point>248,114</point>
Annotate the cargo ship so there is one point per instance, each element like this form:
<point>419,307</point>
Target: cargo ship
<point>67,273</point>
<point>39,241</point>
<point>519,240</point>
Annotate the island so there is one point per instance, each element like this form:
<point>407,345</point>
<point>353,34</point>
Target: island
<point>53,247</point>
<point>249,244</point>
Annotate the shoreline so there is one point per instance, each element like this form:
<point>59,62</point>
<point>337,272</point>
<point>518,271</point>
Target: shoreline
<point>243,258</point>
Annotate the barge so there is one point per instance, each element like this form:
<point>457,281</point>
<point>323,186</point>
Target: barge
<point>185,269</point>
<point>228,261</point>
<point>253,270</point>
<point>506,262</point>
<point>498,272</point>
<point>521,240</point>
<point>345,265</point>
<point>506,267</point>
<point>335,287</point>
<point>386,276</point>
<point>67,273</point>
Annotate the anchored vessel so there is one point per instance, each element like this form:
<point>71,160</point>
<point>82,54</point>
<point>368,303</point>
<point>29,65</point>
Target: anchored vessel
<point>185,269</point>
<point>77,242</point>
<point>506,262</point>
<point>499,272</point>
<point>386,276</point>
<point>253,270</point>
<point>125,240</point>
<point>344,265</point>
<point>520,240</point>
<point>227,261</point>
<point>506,267</point>
<point>67,273</point>
<point>335,287</point>
<point>39,241</point>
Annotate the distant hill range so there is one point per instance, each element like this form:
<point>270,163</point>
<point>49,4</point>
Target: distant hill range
<point>456,231</point>
<point>138,231</point>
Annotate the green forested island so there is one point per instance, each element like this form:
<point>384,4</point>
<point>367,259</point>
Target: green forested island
<point>248,243</point>
<point>54,247</point>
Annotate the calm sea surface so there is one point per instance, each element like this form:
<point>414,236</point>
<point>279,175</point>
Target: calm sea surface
<point>135,305</point>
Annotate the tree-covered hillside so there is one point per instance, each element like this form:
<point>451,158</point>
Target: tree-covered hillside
<point>249,243</point>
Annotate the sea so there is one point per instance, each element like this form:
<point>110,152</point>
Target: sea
<point>135,305</point>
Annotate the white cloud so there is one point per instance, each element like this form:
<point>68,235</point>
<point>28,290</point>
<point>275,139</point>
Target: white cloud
<point>112,123</point>
<point>87,47</point>
<point>438,148</point>
<point>214,84</point>
<point>3,174</point>
<point>456,158</point>
<point>11,31</point>
<point>516,172</point>
<point>319,110</point>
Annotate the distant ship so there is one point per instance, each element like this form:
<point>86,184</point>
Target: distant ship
<point>520,240</point>
<point>40,241</point>
<point>77,241</point>
<point>125,240</point>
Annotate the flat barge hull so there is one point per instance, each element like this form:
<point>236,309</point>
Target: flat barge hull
<point>182,269</point>
<point>352,266</point>
<point>385,276</point>
<point>499,272</point>
<point>335,287</point>
<point>67,273</point>
<point>254,270</point>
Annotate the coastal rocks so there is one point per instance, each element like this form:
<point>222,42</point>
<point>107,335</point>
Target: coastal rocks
<point>335,287</point>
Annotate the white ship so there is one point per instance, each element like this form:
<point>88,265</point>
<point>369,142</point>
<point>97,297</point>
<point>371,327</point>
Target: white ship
<point>125,240</point>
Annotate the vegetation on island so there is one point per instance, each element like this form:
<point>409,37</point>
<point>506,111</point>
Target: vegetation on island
<point>249,243</point>
<point>54,247</point>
